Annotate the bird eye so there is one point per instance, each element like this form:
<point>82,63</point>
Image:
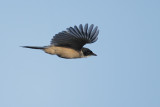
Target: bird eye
<point>89,52</point>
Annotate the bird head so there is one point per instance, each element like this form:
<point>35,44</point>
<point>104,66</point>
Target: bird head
<point>87,52</point>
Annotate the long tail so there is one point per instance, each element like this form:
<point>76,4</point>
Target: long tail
<point>33,47</point>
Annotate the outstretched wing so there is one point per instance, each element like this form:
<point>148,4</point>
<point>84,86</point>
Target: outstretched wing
<point>76,37</point>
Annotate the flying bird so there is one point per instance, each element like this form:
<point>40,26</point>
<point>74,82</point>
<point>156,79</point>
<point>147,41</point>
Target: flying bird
<point>69,43</point>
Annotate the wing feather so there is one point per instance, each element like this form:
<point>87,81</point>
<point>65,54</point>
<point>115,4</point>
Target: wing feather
<point>90,30</point>
<point>81,29</point>
<point>85,30</point>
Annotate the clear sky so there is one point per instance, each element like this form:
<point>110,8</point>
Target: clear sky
<point>126,72</point>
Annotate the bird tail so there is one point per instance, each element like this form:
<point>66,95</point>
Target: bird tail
<point>34,47</point>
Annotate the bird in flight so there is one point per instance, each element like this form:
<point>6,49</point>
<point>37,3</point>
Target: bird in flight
<point>69,43</point>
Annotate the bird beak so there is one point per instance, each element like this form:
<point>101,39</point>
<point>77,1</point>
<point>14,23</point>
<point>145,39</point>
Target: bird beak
<point>94,54</point>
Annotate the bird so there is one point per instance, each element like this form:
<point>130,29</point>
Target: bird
<point>69,43</point>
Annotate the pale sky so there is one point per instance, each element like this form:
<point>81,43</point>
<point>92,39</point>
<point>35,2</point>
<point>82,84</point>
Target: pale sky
<point>126,72</point>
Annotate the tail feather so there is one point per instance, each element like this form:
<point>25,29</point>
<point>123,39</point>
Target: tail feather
<point>33,47</point>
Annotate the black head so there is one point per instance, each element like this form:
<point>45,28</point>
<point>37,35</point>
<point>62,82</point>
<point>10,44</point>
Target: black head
<point>88,52</point>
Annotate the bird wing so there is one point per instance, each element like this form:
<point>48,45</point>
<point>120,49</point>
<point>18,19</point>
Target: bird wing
<point>75,37</point>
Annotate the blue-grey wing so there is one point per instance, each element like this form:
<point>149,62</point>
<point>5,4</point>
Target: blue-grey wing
<point>76,37</point>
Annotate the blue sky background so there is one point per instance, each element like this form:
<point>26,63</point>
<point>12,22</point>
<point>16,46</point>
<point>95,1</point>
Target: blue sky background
<point>126,72</point>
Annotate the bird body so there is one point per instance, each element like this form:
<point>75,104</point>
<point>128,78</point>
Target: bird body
<point>63,52</point>
<point>69,44</point>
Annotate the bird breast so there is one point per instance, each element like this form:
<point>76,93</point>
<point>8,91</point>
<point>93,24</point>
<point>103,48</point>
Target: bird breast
<point>63,52</point>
